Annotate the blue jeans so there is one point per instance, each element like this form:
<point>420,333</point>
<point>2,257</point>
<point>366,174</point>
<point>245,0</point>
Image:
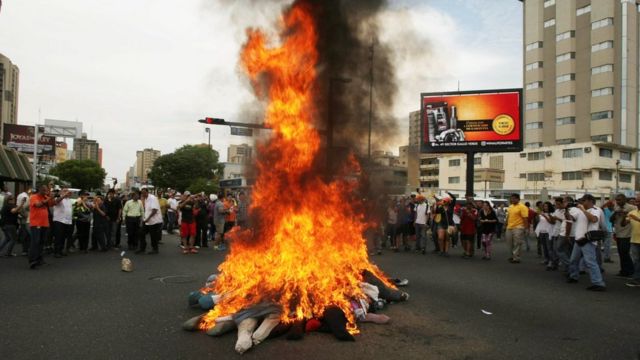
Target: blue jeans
<point>608,238</point>
<point>588,254</point>
<point>635,255</point>
<point>563,250</point>
<point>38,237</point>
<point>421,236</point>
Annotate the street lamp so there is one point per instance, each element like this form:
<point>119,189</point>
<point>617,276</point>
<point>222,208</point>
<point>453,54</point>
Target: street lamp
<point>208,131</point>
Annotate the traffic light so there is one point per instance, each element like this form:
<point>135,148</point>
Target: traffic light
<point>212,121</point>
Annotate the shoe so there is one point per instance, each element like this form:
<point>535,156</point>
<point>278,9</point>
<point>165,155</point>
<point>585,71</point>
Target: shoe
<point>549,268</point>
<point>152,252</point>
<point>596,288</point>
<point>445,254</point>
<point>571,281</point>
<point>216,247</point>
<point>185,251</point>
<point>404,296</point>
<point>57,256</point>
<point>399,282</point>
<point>33,265</point>
<point>24,253</point>
<point>197,247</point>
<point>633,283</point>
<point>222,247</point>
<point>424,251</point>
<point>514,261</point>
<point>181,246</point>
<point>609,261</point>
<point>379,252</point>
<point>193,250</point>
<point>140,252</point>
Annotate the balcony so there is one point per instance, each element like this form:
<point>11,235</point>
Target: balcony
<point>428,166</point>
<point>431,178</point>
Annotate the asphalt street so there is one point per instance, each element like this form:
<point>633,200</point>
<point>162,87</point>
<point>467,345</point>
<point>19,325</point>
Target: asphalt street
<point>84,307</point>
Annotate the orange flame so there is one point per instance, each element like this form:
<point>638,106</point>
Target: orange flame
<point>307,251</point>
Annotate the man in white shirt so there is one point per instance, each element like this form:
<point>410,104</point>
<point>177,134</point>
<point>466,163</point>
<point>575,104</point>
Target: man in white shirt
<point>62,223</point>
<point>172,210</point>
<point>23,218</point>
<point>421,224</point>
<point>588,219</point>
<point>152,222</point>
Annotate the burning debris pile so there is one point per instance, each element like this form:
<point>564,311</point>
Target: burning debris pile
<point>303,264</point>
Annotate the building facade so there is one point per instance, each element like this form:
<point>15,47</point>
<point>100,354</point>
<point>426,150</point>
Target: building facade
<point>144,162</point>
<point>422,169</point>
<point>86,149</point>
<point>9,81</point>
<point>581,84</point>
<point>239,154</point>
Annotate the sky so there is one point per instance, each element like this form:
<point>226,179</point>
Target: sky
<point>139,73</point>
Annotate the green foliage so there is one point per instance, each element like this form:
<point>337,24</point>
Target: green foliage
<point>203,185</point>
<point>188,165</point>
<point>81,174</point>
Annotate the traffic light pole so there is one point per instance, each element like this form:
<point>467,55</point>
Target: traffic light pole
<point>231,123</point>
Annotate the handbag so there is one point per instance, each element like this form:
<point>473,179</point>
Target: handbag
<point>595,235</point>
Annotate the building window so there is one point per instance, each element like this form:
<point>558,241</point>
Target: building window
<point>454,162</point>
<point>496,162</point>
<point>572,175</point>
<point>601,46</point>
<point>625,178</point>
<point>565,77</point>
<point>534,45</point>
<point>566,56</point>
<point>533,65</point>
<point>605,175</point>
<point>535,177</point>
<point>607,153</point>
<point>565,35</point>
<point>602,92</point>
<point>533,156</point>
<point>583,10</point>
<point>454,180</point>
<point>601,23</point>
<point>601,115</point>
<point>601,69</point>
<point>625,156</point>
<point>534,85</point>
<point>548,3</point>
<point>534,105</point>
<point>565,141</point>
<point>566,120</point>
<point>602,138</point>
<point>533,145</point>
<point>549,23</point>
<point>572,153</point>
<point>565,99</point>
<point>523,176</point>
<point>476,160</point>
<point>534,125</point>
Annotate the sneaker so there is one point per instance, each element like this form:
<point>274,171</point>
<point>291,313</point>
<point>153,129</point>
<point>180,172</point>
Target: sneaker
<point>596,288</point>
<point>193,250</point>
<point>514,261</point>
<point>571,281</point>
<point>633,283</point>
<point>222,247</point>
<point>216,247</point>
<point>197,247</point>
<point>152,252</point>
<point>185,251</point>
<point>401,282</point>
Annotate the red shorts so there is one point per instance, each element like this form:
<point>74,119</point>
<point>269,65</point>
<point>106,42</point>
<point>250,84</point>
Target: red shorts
<point>187,229</point>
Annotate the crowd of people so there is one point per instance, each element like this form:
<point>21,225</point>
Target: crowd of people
<point>574,236</point>
<point>57,221</point>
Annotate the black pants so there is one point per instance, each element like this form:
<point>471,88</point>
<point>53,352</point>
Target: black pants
<point>133,227</point>
<point>155,234</point>
<point>62,233</point>
<point>99,235</point>
<point>118,233</point>
<point>24,236</point>
<point>82,232</point>
<point>201,234</point>
<point>624,249</point>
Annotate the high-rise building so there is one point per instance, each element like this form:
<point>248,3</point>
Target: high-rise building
<point>9,80</point>
<point>581,88</point>
<point>144,162</point>
<point>239,154</point>
<point>86,149</point>
<point>422,169</point>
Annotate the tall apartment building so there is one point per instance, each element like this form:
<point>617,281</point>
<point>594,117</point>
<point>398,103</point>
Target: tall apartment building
<point>239,154</point>
<point>144,162</point>
<point>422,169</point>
<point>86,149</point>
<point>9,81</point>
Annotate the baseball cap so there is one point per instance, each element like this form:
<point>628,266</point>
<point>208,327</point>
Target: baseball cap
<point>187,193</point>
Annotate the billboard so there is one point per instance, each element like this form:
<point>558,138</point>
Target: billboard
<point>20,138</point>
<point>471,121</point>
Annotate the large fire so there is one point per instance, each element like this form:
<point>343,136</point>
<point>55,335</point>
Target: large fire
<point>306,251</point>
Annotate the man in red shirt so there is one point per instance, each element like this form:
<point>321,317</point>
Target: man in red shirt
<point>39,204</point>
<point>468,217</point>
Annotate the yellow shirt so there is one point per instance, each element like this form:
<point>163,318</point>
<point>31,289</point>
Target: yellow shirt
<point>635,227</point>
<point>516,215</point>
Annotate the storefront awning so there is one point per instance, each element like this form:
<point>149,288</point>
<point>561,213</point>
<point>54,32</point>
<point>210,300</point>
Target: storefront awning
<point>14,166</point>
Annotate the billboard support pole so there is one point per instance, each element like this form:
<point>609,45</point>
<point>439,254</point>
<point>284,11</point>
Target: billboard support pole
<point>35,158</point>
<point>470,174</point>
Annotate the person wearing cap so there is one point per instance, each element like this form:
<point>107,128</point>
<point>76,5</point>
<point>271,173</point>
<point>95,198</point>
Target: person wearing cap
<point>152,223</point>
<point>586,221</point>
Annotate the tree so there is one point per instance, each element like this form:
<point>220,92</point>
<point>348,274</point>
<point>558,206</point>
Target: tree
<point>81,174</point>
<point>187,165</point>
<point>203,185</point>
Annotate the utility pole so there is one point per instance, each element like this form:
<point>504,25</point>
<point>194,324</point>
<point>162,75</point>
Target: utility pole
<point>617,177</point>
<point>371,52</point>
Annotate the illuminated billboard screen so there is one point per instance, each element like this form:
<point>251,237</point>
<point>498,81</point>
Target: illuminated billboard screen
<point>472,121</point>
